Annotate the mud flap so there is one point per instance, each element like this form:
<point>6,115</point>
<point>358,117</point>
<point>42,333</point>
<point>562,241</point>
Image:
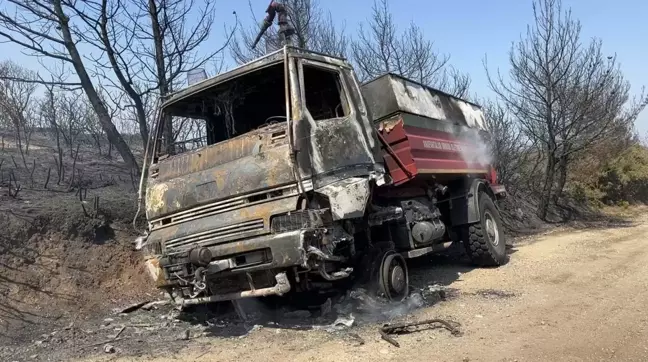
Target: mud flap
<point>465,210</point>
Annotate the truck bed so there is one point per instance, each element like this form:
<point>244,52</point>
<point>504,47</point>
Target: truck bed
<point>425,131</point>
<point>391,93</point>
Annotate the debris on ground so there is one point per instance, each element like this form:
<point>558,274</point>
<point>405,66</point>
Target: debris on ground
<point>155,304</point>
<point>494,294</point>
<point>109,348</point>
<point>340,323</point>
<point>185,335</point>
<point>119,332</point>
<point>133,307</point>
<point>357,338</point>
<point>406,328</point>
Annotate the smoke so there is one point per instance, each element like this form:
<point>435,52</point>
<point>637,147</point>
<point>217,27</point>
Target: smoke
<point>370,309</point>
<point>476,149</point>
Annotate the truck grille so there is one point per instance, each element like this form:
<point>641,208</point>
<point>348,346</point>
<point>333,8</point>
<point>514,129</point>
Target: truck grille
<point>227,233</point>
<point>224,206</point>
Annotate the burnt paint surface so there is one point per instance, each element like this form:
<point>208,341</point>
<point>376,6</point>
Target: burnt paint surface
<point>203,176</point>
<point>217,154</point>
<point>286,250</point>
<point>333,147</point>
<point>391,93</point>
<point>202,225</point>
<point>255,161</point>
<point>426,146</point>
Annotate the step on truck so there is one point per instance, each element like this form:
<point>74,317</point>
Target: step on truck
<point>286,175</point>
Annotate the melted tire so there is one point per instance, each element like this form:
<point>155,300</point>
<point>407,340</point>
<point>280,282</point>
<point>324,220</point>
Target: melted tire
<point>484,248</point>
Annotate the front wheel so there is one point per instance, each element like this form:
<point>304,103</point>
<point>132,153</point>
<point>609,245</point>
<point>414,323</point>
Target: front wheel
<point>484,240</point>
<point>385,273</point>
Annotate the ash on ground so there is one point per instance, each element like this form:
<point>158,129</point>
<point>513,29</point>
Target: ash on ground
<point>160,326</point>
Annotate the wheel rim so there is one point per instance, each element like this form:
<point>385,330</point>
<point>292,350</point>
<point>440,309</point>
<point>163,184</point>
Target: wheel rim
<point>491,228</point>
<point>394,281</point>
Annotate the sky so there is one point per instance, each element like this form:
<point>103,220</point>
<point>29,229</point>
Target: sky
<point>470,30</point>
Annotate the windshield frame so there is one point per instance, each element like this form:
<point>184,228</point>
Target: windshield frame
<point>158,153</point>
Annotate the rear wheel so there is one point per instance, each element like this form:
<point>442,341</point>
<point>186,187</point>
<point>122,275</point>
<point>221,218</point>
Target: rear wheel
<point>484,240</point>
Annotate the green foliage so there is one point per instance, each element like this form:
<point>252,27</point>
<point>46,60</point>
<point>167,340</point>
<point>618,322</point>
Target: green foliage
<point>586,193</point>
<point>625,178</point>
<point>623,204</point>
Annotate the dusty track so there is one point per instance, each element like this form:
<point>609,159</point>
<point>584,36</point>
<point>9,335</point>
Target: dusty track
<point>578,295</point>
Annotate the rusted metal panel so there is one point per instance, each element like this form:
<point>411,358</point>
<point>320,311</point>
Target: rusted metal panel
<point>390,93</point>
<point>334,149</point>
<point>244,175</point>
<point>431,151</point>
<point>286,249</point>
<point>249,144</point>
<point>245,221</point>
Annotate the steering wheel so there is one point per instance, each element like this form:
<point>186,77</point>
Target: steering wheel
<point>268,122</point>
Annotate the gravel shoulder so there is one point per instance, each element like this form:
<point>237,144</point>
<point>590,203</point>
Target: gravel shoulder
<point>570,295</point>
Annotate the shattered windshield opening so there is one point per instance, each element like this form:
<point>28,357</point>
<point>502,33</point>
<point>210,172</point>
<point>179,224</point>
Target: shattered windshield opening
<point>228,110</point>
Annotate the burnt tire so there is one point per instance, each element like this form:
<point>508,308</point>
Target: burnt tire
<point>385,274</point>
<point>484,241</point>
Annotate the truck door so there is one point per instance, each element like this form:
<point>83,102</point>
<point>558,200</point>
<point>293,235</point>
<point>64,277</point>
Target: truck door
<point>332,141</point>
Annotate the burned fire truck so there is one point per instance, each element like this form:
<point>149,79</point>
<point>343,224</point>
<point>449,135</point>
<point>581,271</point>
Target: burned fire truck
<point>286,175</point>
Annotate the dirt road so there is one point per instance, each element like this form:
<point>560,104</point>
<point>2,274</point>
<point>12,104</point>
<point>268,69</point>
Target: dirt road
<point>573,295</point>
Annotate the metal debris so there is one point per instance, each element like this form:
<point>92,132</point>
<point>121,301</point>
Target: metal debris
<point>406,328</point>
<point>109,348</point>
<point>155,304</point>
<point>339,324</point>
<point>343,322</point>
<point>133,307</point>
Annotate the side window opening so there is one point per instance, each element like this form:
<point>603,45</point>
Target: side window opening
<point>324,93</point>
<point>228,110</point>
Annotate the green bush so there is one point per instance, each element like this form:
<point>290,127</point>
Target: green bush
<point>625,178</point>
<point>623,204</point>
<point>586,194</point>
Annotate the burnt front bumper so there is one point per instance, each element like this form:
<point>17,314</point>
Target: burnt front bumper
<point>273,251</point>
<point>266,256</point>
<point>282,287</point>
<point>267,252</point>
<point>262,255</point>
